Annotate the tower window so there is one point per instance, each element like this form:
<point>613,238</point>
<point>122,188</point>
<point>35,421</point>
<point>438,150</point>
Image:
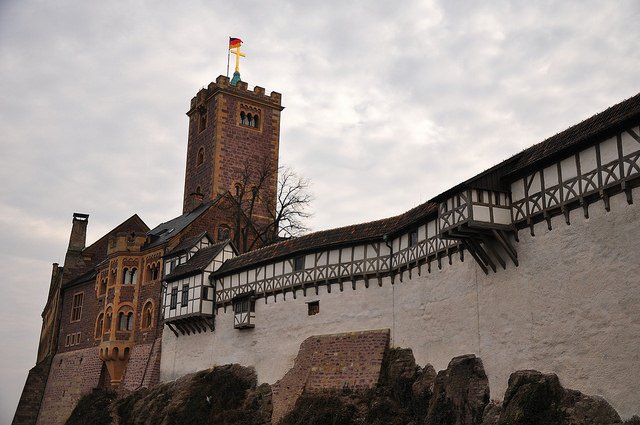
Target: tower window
<point>147,315</point>
<point>250,119</point>
<point>202,120</point>
<point>223,232</point>
<point>200,158</point>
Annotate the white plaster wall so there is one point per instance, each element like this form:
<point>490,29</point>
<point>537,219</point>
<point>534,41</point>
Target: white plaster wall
<point>570,308</point>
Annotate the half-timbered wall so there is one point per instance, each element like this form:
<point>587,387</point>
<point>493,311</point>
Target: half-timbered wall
<point>613,163</point>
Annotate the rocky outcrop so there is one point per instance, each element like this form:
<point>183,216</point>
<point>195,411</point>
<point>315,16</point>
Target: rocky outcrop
<point>405,395</point>
<point>460,393</point>
<point>534,398</point>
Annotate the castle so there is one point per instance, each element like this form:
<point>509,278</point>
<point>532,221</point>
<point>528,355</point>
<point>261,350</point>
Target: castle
<point>530,264</point>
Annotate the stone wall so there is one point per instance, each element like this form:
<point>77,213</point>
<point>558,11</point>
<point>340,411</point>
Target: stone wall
<point>143,369</point>
<point>349,360</point>
<point>72,375</point>
<point>29,404</point>
<point>570,308</point>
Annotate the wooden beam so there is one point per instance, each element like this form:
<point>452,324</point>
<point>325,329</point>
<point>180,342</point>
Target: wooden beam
<point>503,240</point>
<point>475,256</point>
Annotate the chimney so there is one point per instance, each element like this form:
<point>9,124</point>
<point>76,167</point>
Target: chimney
<point>194,201</point>
<point>78,237</point>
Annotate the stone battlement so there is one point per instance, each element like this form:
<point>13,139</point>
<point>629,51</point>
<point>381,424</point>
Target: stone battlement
<point>223,83</point>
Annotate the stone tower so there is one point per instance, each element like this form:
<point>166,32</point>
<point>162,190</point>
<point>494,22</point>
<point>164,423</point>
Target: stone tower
<point>231,129</point>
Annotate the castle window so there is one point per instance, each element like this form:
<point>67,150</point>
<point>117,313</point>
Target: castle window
<point>249,119</point>
<point>102,287</point>
<point>174,297</point>
<point>298,263</point>
<point>147,315</point>
<point>109,316</point>
<point>223,232</point>
<point>155,271</point>
<point>134,276</point>
<point>313,308</point>
<point>122,321</point>
<point>76,309</point>
<point>205,292</point>
<point>130,321</point>
<point>99,326</point>
<point>202,123</point>
<point>200,159</point>
<point>413,238</point>
<point>125,274</point>
<point>185,296</point>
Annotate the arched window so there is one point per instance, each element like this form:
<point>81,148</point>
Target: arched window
<point>203,119</point>
<point>125,274</point>
<point>223,232</point>
<point>122,321</point>
<point>250,120</point>
<point>134,276</point>
<point>147,315</point>
<point>107,324</point>
<point>99,326</point>
<point>155,271</point>
<point>200,158</point>
<point>198,190</point>
<point>242,118</point>
<point>255,121</point>
<point>130,321</point>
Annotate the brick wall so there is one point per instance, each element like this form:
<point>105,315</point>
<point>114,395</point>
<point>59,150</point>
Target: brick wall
<point>352,360</point>
<point>91,305</point>
<point>72,375</point>
<point>143,369</point>
<point>29,404</point>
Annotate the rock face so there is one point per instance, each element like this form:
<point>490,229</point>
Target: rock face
<point>224,395</point>
<point>460,393</point>
<point>405,395</point>
<point>534,398</point>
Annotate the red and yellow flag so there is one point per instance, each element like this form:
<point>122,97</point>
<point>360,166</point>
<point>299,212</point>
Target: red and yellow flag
<point>234,42</point>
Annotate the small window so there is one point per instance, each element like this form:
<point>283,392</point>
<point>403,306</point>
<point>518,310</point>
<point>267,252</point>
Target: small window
<point>205,292</point>
<point>76,309</point>
<point>109,316</point>
<point>200,159</point>
<point>313,308</point>
<point>122,321</point>
<point>298,263</point>
<point>223,232</point>
<point>255,122</point>
<point>125,275</point>
<point>99,326</point>
<point>155,270</point>
<point>244,305</point>
<point>147,315</point>
<point>134,276</point>
<point>243,118</point>
<point>174,298</point>
<point>413,238</point>
<point>203,119</point>
<point>185,296</point>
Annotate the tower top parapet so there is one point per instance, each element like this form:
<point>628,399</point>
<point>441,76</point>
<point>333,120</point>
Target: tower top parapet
<point>241,89</point>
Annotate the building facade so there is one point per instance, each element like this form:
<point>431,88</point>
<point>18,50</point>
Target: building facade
<point>531,264</point>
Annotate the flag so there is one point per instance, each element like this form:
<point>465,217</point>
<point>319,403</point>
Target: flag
<point>234,42</point>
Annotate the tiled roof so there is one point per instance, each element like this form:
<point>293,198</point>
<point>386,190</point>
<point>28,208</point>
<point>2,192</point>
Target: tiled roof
<point>372,230</point>
<point>197,263</point>
<point>165,231</point>
<point>188,243</point>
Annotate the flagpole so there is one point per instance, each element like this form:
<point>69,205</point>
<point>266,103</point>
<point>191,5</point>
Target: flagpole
<point>228,56</point>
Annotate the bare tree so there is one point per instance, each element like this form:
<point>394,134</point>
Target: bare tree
<point>265,212</point>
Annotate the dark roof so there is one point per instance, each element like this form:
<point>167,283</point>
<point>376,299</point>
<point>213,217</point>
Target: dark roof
<point>599,126</point>
<point>188,243</point>
<point>197,263</point>
<point>357,233</point>
<point>89,276</point>
<point>165,231</point>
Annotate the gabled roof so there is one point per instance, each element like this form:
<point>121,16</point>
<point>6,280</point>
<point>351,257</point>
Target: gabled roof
<point>188,243</point>
<point>325,239</point>
<point>89,276</point>
<point>167,230</point>
<point>198,262</point>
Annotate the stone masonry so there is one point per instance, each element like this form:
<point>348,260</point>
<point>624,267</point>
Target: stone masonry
<point>347,360</point>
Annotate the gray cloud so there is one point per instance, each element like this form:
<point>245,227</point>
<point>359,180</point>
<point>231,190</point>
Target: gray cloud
<point>386,107</point>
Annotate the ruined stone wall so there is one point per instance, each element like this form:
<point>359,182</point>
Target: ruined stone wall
<point>72,375</point>
<point>569,308</point>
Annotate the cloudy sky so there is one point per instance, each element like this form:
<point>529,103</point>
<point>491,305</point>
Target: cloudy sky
<point>387,104</point>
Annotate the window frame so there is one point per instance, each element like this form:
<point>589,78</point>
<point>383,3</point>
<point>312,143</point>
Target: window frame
<point>76,308</point>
